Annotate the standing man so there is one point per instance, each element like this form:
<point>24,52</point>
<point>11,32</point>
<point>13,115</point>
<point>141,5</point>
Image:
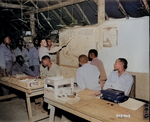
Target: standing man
<point>87,75</point>
<point>6,60</point>
<point>49,43</point>
<point>120,79</point>
<point>6,56</point>
<point>21,50</point>
<point>92,55</point>
<point>43,50</point>
<point>34,58</point>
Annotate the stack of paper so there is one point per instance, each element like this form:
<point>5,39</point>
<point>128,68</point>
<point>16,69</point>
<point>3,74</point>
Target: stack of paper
<point>132,104</point>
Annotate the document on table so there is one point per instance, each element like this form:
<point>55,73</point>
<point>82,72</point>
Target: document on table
<point>132,104</point>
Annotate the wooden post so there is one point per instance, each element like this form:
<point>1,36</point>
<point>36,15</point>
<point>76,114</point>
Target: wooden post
<point>32,25</point>
<point>101,11</point>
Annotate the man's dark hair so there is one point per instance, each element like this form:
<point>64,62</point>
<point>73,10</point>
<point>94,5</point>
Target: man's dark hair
<point>42,39</point>
<point>93,51</point>
<point>124,61</point>
<point>34,40</point>
<point>18,58</point>
<point>4,36</point>
<point>48,39</point>
<point>46,57</point>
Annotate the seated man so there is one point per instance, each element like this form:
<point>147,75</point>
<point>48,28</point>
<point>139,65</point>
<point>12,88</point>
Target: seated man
<point>120,79</point>
<point>50,69</point>
<point>87,75</point>
<point>92,55</point>
<point>20,67</point>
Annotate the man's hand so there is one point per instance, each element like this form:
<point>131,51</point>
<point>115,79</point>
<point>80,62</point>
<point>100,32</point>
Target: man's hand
<point>98,93</point>
<point>4,73</point>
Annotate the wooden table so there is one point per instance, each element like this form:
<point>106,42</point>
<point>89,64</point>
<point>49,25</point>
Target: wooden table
<point>95,110</point>
<point>29,92</point>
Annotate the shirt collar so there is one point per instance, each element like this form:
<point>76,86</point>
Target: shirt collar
<point>51,67</point>
<point>95,58</point>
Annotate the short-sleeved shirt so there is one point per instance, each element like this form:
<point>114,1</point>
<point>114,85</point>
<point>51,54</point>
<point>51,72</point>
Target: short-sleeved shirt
<point>52,72</point>
<point>34,56</point>
<point>18,69</point>
<point>24,53</point>
<point>88,77</point>
<point>45,51</point>
<point>6,57</point>
<point>123,83</point>
<point>97,62</point>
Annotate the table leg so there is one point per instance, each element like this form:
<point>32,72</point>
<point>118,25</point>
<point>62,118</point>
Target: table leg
<point>29,107</point>
<point>52,112</point>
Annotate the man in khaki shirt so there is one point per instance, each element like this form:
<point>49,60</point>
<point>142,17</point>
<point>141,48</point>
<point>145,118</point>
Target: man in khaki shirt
<point>48,68</point>
<point>92,55</point>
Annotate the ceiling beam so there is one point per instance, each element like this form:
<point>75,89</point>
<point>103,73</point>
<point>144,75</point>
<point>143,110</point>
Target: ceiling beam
<point>122,9</point>
<point>101,12</point>
<point>56,14</point>
<point>55,6</point>
<point>106,16</point>
<point>41,14</point>
<point>14,6</point>
<point>85,17</point>
<point>72,18</point>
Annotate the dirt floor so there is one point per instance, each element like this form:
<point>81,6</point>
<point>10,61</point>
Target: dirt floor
<point>14,110</point>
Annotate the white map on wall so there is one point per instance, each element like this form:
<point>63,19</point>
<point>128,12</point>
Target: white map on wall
<point>81,40</point>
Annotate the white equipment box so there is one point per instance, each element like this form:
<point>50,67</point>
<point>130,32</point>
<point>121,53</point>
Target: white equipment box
<point>54,87</point>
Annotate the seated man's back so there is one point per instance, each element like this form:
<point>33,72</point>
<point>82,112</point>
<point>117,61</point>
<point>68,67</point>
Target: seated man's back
<point>120,79</point>
<point>88,75</point>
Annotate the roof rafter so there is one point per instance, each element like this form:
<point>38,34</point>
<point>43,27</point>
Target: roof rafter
<point>83,14</point>
<point>122,9</point>
<point>41,14</point>
<point>14,6</point>
<point>55,6</point>
<point>72,18</point>
<point>56,14</point>
<point>24,17</point>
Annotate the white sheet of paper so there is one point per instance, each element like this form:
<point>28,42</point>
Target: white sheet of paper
<point>132,104</point>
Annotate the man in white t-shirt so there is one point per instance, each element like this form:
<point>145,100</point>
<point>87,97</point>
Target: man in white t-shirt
<point>43,50</point>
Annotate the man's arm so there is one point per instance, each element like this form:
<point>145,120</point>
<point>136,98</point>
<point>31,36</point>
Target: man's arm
<point>107,83</point>
<point>30,56</point>
<point>41,71</point>
<point>27,55</point>
<point>128,85</point>
<point>80,80</point>
<point>54,49</point>
<point>28,71</point>
<point>2,59</point>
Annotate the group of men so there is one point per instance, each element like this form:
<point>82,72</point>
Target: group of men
<point>92,75</point>
<point>35,61</point>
